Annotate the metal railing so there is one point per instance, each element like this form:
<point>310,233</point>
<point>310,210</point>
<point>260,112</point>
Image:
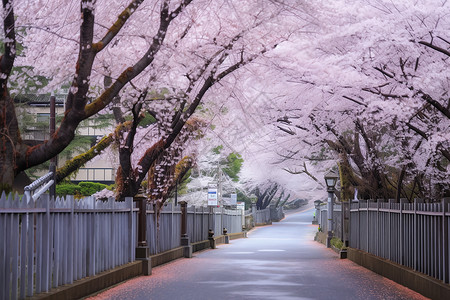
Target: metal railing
<point>415,235</point>
<point>45,181</point>
<point>322,218</point>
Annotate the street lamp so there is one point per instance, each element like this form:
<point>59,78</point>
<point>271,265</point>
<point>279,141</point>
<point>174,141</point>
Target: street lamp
<point>330,179</point>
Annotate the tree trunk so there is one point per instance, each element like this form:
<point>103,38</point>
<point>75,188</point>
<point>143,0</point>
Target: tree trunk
<point>12,150</point>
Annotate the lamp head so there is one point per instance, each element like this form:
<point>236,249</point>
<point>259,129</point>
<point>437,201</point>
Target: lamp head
<point>331,179</point>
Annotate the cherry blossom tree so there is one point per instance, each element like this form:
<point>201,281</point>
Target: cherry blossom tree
<point>71,47</point>
<point>184,46</point>
<point>376,95</point>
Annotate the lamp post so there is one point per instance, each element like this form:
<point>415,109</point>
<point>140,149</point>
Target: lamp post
<point>330,179</point>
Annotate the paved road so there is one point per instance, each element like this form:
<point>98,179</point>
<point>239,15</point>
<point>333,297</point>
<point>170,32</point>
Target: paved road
<point>275,262</point>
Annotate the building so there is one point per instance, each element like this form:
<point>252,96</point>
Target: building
<point>33,112</point>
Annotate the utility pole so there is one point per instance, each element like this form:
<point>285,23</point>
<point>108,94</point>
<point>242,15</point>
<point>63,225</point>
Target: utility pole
<point>54,160</point>
<point>220,185</point>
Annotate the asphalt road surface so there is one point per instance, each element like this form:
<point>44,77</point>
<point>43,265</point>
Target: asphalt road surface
<point>279,262</point>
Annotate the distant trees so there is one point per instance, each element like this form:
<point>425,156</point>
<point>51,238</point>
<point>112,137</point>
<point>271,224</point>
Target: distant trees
<point>270,194</point>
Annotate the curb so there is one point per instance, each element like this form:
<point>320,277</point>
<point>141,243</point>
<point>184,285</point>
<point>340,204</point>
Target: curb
<point>421,283</point>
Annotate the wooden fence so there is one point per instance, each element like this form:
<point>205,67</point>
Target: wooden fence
<point>47,243</point>
<point>255,217</point>
<point>199,221</point>
<point>57,242</point>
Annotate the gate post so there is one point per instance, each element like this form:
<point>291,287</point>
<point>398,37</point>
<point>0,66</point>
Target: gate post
<point>185,242</point>
<point>142,250</point>
<point>445,247</point>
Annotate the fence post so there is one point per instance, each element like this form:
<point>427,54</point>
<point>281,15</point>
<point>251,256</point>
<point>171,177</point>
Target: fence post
<point>349,223</point>
<point>211,221</point>
<point>445,249</point>
<point>254,214</point>
<point>389,228</point>
<point>71,229</point>
<point>142,250</point>
<point>46,245</point>
<point>378,231</point>
<point>212,241</point>
<point>402,228</point>
<point>227,238</point>
<point>343,221</point>
<point>359,225</point>
<point>415,239</point>
<point>185,242</point>
<point>131,229</point>
<point>94,243</point>
<point>367,225</point>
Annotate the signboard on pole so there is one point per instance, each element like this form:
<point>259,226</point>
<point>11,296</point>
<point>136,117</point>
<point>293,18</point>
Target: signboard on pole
<point>233,199</point>
<point>212,197</point>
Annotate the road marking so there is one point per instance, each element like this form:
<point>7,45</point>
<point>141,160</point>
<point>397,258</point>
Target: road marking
<point>240,252</point>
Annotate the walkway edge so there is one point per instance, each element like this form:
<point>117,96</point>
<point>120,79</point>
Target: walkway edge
<point>421,283</point>
<point>94,284</point>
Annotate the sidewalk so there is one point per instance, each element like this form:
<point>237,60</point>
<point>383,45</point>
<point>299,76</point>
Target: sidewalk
<point>280,262</point>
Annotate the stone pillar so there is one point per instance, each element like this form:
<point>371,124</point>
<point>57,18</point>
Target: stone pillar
<point>227,237</point>
<point>185,242</point>
<point>212,241</point>
<point>142,250</point>
<point>254,214</point>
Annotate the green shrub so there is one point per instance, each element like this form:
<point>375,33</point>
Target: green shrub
<point>337,243</point>
<point>79,190</point>
<point>64,189</point>
<point>90,188</point>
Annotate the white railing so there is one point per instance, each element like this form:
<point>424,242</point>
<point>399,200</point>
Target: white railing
<point>45,181</point>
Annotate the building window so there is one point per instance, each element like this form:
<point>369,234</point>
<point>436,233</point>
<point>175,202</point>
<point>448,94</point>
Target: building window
<point>43,118</point>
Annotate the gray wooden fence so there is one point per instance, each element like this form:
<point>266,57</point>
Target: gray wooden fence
<point>255,217</point>
<point>167,235</point>
<point>261,216</point>
<point>199,221</point>
<point>47,243</point>
<point>230,219</point>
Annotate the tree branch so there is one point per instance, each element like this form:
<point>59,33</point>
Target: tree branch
<point>384,72</point>
<point>131,72</point>
<point>434,47</point>
<point>435,104</point>
<point>78,161</point>
<point>288,131</point>
<point>354,100</point>
<point>117,26</point>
